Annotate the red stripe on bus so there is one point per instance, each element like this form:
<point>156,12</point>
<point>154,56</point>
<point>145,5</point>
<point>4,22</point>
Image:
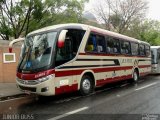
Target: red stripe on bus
<point>110,80</point>
<point>68,73</point>
<point>112,69</point>
<point>72,72</point>
<point>66,88</point>
<point>144,66</point>
<point>35,76</point>
<point>100,54</point>
<point>96,70</point>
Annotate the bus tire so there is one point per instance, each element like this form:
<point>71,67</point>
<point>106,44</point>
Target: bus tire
<point>135,76</point>
<point>86,86</point>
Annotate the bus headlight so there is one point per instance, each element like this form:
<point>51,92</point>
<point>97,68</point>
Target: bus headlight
<point>46,78</point>
<point>35,82</point>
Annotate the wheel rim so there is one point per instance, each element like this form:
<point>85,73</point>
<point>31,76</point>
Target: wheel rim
<point>86,84</point>
<point>135,76</point>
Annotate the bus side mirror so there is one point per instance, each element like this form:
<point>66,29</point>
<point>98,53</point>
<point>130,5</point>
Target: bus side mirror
<point>13,42</point>
<point>61,39</point>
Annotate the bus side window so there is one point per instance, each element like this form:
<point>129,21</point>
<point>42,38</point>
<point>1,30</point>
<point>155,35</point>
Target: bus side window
<point>113,45</point>
<point>91,44</point>
<point>101,44</point>
<point>142,50</point>
<point>147,49</point>
<point>134,48</point>
<point>153,57</point>
<point>122,47</point>
<point>125,47</point>
<point>108,45</point>
<point>116,46</point>
<point>71,46</point>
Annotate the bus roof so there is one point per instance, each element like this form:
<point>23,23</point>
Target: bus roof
<point>116,35</point>
<point>155,47</point>
<point>60,26</point>
<point>86,27</point>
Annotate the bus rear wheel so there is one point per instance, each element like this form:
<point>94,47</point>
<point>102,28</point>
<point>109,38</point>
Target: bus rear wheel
<point>86,86</point>
<point>135,76</point>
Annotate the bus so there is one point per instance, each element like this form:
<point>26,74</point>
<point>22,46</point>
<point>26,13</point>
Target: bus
<point>155,53</point>
<point>77,57</point>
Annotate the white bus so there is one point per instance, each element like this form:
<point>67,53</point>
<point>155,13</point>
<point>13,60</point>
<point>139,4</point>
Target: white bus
<point>155,50</point>
<point>70,57</point>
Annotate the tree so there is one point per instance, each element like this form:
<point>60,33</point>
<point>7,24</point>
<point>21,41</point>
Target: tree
<point>17,18</point>
<point>119,14</point>
<point>150,32</point>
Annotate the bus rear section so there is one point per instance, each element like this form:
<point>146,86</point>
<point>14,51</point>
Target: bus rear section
<point>72,57</point>
<point>155,52</point>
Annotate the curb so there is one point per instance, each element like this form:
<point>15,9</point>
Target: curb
<point>3,98</point>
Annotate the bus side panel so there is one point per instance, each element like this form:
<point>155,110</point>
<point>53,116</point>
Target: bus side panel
<point>144,66</point>
<point>65,80</point>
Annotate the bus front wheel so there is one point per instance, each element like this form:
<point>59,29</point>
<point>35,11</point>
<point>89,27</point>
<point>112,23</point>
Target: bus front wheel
<point>86,86</point>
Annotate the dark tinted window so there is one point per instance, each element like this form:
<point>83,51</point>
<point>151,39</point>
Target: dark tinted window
<point>113,45</point>
<point>96,43</point>
<point>134,48</point>
<point>71,46</point>
<point>125,47</point>
<point>142,50</point>
<point>153,57</point>
<point>101,43</point>
<point>91,44</point>
<point>147,49</point>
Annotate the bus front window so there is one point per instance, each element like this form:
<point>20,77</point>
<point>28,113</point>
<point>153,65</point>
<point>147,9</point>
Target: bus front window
<point>37,52</point>
<point>71,45</point>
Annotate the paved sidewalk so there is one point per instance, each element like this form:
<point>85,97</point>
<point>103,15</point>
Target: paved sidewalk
<point>9,89</point>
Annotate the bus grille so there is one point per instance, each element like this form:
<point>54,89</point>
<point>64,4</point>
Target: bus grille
<point>32,89</point>
<point>28,82</point>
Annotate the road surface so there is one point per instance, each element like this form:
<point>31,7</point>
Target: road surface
<point>120,101</point>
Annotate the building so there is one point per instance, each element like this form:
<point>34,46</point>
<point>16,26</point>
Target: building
<point>8,70</point>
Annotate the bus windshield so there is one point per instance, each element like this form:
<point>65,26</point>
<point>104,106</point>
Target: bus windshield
<point>37,51</point>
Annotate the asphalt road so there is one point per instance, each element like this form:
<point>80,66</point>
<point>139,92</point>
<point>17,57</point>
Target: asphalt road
<point>120,101</point>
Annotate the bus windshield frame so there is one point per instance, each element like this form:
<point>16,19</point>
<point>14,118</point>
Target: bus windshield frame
<point>37,52</point>
<point>58,56</point>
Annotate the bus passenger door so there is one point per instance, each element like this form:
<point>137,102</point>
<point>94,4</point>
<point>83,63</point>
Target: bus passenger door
<point>63,70</point>
<point>65,74</point>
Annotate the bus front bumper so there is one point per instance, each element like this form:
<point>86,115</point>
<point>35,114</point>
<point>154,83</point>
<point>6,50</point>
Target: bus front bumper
<point>44,86</point>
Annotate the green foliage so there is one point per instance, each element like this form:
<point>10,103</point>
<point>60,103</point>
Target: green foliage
<point>148,31</point>
<point>151,32</point>
<point>23,16</point>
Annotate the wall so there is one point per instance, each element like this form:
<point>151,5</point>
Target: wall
<point>8,70</point>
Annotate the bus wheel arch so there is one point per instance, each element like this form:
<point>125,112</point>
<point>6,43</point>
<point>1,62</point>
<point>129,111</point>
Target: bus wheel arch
<point>87,83</point>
